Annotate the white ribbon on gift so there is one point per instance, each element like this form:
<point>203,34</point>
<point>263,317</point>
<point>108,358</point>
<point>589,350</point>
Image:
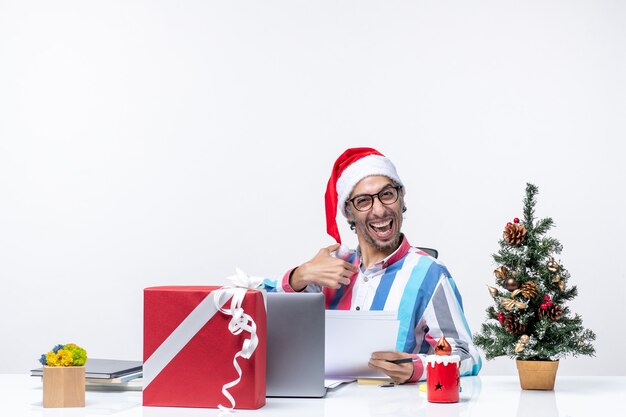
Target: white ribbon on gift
<point>201,315</point>
<point>240,322</point>
<point>243,280</point>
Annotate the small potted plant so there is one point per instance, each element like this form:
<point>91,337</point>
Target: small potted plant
<point>64,376</point>
<point>530,320</point>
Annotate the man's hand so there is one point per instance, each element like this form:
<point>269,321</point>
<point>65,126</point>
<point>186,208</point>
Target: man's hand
<point>323,270</point>
<point>399,373</point>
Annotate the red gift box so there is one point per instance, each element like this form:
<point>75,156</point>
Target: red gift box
<point>189,349</point>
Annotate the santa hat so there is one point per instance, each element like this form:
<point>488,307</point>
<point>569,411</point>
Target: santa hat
<point>350,168</point>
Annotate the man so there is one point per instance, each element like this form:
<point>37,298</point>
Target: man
<point>385,272</point>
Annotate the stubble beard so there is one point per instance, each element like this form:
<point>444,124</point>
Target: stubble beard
<point>367,235</point>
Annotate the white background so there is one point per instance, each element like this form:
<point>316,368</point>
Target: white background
<point>150,143</point>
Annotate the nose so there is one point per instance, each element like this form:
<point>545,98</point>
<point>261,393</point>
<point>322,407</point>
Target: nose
<point>377,206</point>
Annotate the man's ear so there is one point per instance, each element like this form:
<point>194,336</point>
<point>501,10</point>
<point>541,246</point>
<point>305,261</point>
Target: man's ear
<point>349,214</point>
<point>350,218</point>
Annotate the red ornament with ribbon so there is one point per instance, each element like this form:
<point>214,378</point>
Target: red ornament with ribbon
<point>442,374</point>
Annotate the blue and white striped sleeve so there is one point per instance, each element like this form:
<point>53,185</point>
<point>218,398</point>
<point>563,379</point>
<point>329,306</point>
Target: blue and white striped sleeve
<point>444,316</point>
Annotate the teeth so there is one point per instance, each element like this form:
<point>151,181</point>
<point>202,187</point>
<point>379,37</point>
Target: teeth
<point>387,223</point>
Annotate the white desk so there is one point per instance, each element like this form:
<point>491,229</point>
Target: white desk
<point>21,395</point>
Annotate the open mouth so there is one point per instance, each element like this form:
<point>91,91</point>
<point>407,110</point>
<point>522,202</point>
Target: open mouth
<point>382,229</point>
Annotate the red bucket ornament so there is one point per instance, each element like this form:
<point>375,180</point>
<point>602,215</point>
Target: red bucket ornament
<point>442,374</point>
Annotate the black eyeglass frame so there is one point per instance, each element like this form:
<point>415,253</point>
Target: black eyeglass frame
<point>377,195</point>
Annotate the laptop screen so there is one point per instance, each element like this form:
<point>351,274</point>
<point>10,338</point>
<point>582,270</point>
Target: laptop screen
<point>295,345</point>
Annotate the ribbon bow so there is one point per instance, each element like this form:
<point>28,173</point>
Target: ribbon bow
<point>243,280</point>
<point>508,304</point>
<point>240,322</point>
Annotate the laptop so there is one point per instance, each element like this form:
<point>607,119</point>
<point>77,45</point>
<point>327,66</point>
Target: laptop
<point>295,345</point>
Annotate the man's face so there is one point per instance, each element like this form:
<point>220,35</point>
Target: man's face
<point>378,227</point>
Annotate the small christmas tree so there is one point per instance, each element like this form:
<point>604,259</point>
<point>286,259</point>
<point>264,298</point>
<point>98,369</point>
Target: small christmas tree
<point>530,320</point>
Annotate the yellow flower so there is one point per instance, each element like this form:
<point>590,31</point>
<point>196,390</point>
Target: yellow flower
<point>61,358</point>
<point>51,359</point>
<point>65,357</point>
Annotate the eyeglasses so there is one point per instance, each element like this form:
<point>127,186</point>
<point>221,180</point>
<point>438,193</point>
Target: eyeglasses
<point>386,196</point>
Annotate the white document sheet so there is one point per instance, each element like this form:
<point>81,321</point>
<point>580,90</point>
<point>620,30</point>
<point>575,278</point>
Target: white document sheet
<point>352,336</point>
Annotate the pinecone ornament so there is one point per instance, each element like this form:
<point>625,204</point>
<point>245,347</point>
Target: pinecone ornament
<point>529,289</point>
<point>514,234</point>
<point>511,324</point>
<point>553,312</point>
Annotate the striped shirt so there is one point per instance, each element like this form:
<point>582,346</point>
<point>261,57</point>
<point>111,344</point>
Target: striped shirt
<point>423,293</point>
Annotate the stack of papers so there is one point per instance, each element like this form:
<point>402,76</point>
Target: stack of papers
<point>352,336</point>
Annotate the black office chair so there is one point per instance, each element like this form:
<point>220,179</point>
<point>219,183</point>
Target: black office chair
<point>432,252</point>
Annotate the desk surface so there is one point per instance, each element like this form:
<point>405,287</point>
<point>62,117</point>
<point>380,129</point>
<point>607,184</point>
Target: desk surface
<point>21,395</point>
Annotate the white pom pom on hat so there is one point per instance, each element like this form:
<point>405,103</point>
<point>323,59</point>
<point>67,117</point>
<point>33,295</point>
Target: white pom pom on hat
<point>351,167</point>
